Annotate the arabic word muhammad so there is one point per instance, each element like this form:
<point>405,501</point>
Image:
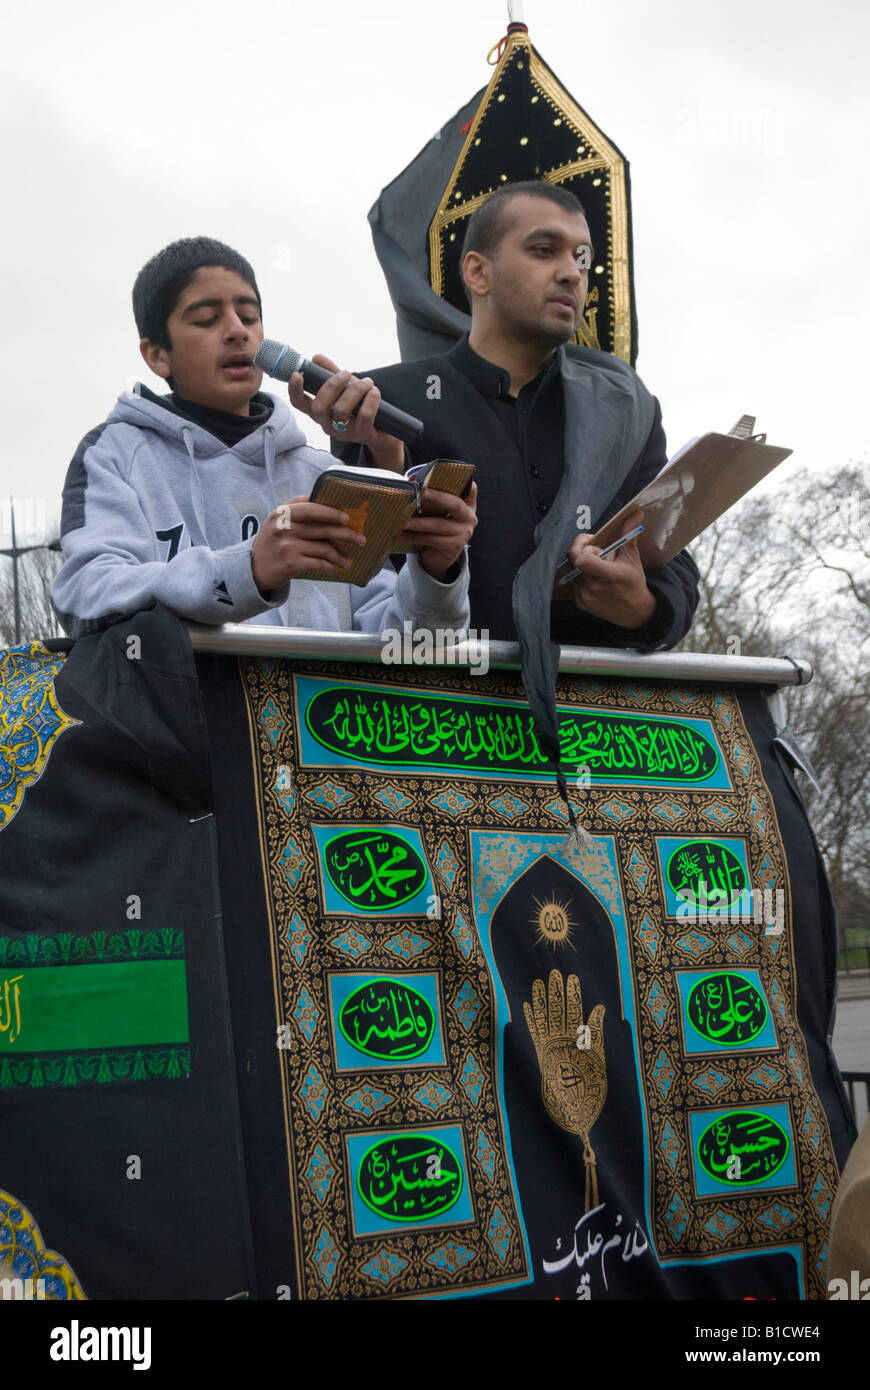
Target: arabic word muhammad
<point>592,1239</point>
<point>409,1178</point>
<point>481,735</point>
<point>573,1080</point>
<point>726,1009</point>
<point>706,873</point>
<point>374,869</point>
<point>10,1006</point>
<point>757,1141</point>
<point>388,1020</point>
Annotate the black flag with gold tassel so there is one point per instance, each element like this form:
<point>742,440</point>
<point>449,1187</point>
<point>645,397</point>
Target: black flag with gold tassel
<point>524,125</point>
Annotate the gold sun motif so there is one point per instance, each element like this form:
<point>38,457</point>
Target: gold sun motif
<point>554,922</point>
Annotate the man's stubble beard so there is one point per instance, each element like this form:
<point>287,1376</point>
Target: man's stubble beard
<point>538,335</point>
<point>551,340</point>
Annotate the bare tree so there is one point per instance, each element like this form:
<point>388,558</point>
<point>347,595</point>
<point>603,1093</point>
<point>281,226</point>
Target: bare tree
<point>36,571</point>
<point>790,573</point>
<point>830,529</point>
<point>744,588</point>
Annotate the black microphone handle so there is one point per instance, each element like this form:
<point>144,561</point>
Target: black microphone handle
<point>389,418</point>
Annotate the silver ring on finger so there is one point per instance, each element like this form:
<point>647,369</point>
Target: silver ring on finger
<point>340,425</point>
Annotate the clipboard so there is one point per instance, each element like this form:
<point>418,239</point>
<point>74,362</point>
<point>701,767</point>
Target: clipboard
<point>702,480</point>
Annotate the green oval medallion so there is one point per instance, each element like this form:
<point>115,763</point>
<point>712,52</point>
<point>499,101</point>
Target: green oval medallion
<point>706,873</point>
<point>726,1008</point>
<point>388,1020</point>
<point>411,1177</point>
<point>744,1148</point>
<point>374,869</point>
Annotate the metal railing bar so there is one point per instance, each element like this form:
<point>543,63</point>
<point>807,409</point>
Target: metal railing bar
<point>248,639</point>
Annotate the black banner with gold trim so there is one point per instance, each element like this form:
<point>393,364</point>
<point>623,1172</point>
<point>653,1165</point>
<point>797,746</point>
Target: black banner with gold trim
<point>523,125</point>
<point>121,1172</point>
<point>428,1049</point>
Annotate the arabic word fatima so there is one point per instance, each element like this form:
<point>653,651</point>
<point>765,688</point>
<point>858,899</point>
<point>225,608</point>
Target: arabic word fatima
<point>482,735</point>
<point>388,1020</point>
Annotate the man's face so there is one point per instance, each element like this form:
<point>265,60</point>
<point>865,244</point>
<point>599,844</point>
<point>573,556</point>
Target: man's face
<point>537,280</point>
<point>215,329</point>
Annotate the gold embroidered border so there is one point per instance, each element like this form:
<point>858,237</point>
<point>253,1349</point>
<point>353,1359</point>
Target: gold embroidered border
<point>406,1262</point>
<point>608,160</point>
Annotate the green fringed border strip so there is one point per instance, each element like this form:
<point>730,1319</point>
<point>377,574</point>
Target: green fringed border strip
<point>69,948</point>
<point>95,1068</point>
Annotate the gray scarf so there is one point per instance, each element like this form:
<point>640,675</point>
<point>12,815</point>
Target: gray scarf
<point>608,417</point>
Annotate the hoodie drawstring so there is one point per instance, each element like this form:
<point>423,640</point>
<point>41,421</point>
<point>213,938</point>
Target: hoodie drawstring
<point>197,493</point>
<point>197,490</point>
<point>269,450</point>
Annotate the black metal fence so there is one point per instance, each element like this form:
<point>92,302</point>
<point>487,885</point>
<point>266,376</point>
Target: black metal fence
<point>859,1102</point>
<point>852,959</point>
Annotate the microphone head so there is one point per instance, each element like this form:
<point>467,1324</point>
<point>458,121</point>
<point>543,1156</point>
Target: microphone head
<point>277,359</point>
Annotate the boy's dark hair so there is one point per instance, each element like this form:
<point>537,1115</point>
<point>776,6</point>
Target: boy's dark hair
<point>488,224</point>
<point>161,281</point>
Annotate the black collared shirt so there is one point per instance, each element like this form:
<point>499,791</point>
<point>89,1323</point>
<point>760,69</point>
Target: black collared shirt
<point>535,420</point>
<point>463,402</point>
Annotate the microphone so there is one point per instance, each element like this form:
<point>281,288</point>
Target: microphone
<point>280,361</point>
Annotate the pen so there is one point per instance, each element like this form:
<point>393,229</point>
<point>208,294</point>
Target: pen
<point>608,550</point>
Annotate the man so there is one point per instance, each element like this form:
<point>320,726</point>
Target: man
<point>530,412</point>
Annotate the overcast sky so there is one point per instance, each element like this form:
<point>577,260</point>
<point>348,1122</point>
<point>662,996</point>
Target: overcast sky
<point>273,125</point>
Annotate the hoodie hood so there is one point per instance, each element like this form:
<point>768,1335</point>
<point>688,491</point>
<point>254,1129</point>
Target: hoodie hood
<point>133,408</point>
<point>278,434</point>
<point>156,509</point>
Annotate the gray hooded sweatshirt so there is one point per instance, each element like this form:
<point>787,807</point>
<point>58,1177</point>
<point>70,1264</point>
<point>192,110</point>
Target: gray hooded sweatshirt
<point>157,510</point>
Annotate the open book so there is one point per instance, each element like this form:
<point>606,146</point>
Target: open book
<point>702,480</point>
<point>379,503</point>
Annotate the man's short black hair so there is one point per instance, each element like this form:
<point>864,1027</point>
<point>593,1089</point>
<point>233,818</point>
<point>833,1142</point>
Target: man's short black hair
<point>161,281</point>
<point>488,224</point>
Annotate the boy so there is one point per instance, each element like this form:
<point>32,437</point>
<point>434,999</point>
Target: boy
<point>202,478</point>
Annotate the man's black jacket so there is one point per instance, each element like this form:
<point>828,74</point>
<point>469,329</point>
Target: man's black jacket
<point>460,423</point>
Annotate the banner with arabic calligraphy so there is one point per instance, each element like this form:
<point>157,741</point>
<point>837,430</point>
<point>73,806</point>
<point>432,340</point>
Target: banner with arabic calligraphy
<point>514,1069</point>
<point>299,976</point>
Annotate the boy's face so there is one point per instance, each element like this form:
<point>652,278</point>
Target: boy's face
<point>215,329</point>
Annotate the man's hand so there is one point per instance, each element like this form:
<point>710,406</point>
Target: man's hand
<point>297,537</point>
<point>336,402</point>
<point>441,533</point>
<point>614,589</point>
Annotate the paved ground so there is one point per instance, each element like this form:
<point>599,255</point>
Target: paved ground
<point>852,1033</point>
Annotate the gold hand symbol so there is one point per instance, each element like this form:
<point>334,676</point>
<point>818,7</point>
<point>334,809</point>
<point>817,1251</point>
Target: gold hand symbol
<point>573,1078</point>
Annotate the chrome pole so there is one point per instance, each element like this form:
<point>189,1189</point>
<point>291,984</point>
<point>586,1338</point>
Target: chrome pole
<point>248,639</point>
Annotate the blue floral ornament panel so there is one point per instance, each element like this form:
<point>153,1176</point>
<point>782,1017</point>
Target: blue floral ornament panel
<point>31,721</point>
<point>521,1069</point>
